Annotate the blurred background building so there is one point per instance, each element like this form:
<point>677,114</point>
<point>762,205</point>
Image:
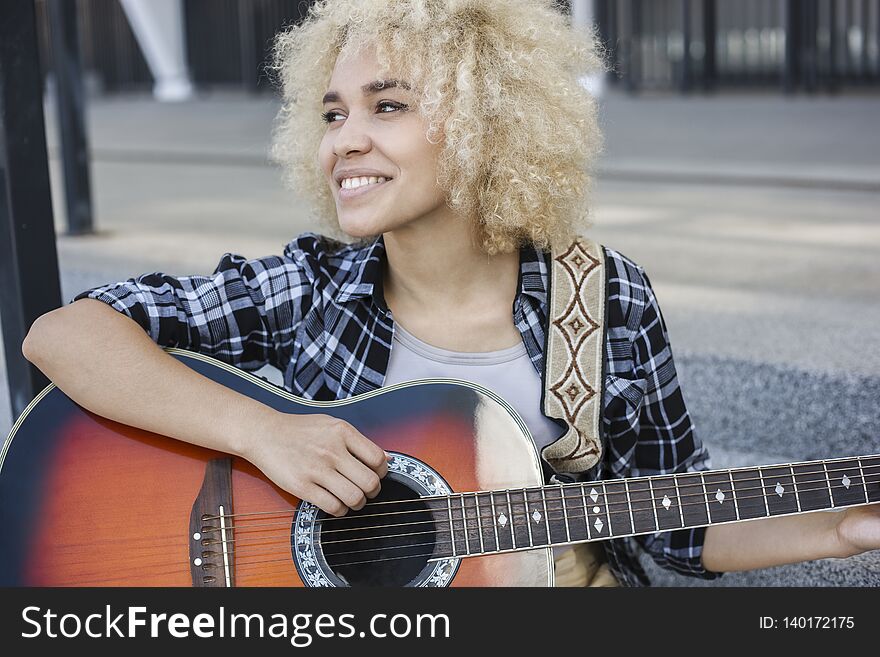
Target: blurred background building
<point>683,45</point>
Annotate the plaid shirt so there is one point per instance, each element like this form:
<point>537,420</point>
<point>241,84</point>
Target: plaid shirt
<point>317,313</point>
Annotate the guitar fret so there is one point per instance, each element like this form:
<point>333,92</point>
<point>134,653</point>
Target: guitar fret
<point>642,505</point>
<point>494,521</point>
<point>706,497</point>
<point>779,485</point>
<point>749,505</point>
<point>565,514</point>
<point>872,485</point>
<point>629,504</point>
<point>665,495</point>
<point>797,498</point>
<point>691,492</point>
<point>678,496</point>
<point>524,533</point>
<point>526,516</point>
<point>811,486</point>
<point>733,493</point>
<point>764,491</point>
<point>451,525</point>
<point>556,519</point>
<point>828,481</point>
<point>864,483</point>
<point>607,509</point>
<point>618,508</point>
<point>845,481</point>
<point>467,543</point>
<point>720,493</point>
<point>510,515</point>
<point>546,515</point>
<point>479,522</point>
<point>653,503</point>
<point>586,507</point>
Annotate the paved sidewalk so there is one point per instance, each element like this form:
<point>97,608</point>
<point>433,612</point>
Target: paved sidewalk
<point>755,216</point>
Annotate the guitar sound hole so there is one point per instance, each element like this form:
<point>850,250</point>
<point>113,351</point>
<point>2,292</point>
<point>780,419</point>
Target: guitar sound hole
<point>387,543</point>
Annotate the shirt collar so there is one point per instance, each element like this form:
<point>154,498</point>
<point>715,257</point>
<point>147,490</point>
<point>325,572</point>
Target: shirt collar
<point>364,278</point>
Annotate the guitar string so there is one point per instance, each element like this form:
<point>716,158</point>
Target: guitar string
<point>652,479</point>
<point>703,497</point>
<point>567,514</point>
<point>470,528</point>
<point>471,519</point>
<point>286,559</point>
<point>822,485</point>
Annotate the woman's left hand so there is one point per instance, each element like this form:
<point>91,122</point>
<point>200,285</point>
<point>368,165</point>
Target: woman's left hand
<point>859,529</point>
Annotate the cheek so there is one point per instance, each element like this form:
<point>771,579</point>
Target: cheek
<point>326,158</point>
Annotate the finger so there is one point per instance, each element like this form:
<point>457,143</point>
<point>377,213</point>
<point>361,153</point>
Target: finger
<point>368,453</point>
<point>324,500</point>
<point>339,486</point>
<point>360,475</point>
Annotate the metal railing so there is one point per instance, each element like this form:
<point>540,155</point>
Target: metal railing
<point>811,45</point>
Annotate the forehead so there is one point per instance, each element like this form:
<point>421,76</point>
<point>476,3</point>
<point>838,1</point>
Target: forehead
<point>359,74</point>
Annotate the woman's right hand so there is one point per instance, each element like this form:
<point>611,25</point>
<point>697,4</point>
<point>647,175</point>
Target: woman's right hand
<point>318,458</point>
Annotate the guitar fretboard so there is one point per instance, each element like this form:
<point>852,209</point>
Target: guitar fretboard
<point>516,519</point>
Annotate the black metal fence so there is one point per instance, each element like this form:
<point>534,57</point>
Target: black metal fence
<point>811,45</point>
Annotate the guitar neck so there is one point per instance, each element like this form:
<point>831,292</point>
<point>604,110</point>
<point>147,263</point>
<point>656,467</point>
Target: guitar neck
<point>524,518</point>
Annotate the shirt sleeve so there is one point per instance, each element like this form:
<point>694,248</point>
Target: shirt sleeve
<point>245,313</point>
<point>657,436</point>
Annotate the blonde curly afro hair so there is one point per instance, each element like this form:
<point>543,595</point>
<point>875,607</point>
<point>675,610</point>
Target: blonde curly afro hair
<point>500,80</point>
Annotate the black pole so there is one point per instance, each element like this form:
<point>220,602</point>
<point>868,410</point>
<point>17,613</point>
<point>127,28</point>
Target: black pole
<point>70,103</point>
<point>686,73</point>
<point>29,283</point>
<point>710,73</point>
<point>247,45</point>
<point>791,70</point>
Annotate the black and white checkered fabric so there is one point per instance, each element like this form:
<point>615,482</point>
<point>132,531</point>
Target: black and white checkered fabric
<point>317,313</point>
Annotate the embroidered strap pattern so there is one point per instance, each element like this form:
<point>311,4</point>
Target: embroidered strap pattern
<point>574,357</point>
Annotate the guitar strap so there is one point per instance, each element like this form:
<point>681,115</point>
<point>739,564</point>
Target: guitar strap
<point>575,354</point>
<point>573,390</point>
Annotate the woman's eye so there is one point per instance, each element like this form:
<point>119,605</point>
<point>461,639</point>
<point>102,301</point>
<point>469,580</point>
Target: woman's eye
<point>330,116</point>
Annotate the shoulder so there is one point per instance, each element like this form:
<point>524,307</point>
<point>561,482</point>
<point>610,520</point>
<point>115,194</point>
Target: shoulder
<point>629,290</point>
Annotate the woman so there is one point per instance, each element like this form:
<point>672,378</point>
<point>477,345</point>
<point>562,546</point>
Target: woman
<point>453,143</point>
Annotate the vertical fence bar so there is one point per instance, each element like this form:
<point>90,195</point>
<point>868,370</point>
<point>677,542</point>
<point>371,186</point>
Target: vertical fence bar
<point>710,32</point>
<point>29,283</point>
<point>70,106</point>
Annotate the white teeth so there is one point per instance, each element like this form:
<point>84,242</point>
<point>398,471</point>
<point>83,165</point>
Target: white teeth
<point>354,183</point>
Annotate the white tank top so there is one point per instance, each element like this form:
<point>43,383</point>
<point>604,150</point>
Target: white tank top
<point>507,372</point>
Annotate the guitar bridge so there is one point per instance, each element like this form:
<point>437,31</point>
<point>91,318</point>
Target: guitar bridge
<point>210,528</point>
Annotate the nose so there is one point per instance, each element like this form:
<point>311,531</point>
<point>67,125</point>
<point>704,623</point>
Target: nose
<point>352,137</point>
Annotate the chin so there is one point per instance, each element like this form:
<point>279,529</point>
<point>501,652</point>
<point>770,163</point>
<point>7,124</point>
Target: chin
<point>360,228</point>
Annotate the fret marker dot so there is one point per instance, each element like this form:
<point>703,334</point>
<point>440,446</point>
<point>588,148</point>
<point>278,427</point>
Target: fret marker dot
<point>779,489</point>
<point>197,561</point>
<point>197,537</point>
<point>719,496</point>
<point>667,502</point>
<point>846,482</point>
<point>598,524</point>
<point>536,516</point>
<point>594,495</point>
<point>502,520</point>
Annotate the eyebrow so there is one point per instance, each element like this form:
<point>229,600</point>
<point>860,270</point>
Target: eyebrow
<point>368,89</point>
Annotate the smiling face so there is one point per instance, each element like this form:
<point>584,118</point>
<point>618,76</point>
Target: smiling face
<point>374,132</point>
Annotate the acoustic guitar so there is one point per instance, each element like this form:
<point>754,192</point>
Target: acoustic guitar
<point>85,501</point>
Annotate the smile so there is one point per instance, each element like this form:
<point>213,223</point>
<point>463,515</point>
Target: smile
<point>360,191</point>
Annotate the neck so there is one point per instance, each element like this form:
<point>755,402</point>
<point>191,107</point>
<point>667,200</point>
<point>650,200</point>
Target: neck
<point>438,263</point>
<point>520,519</point>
